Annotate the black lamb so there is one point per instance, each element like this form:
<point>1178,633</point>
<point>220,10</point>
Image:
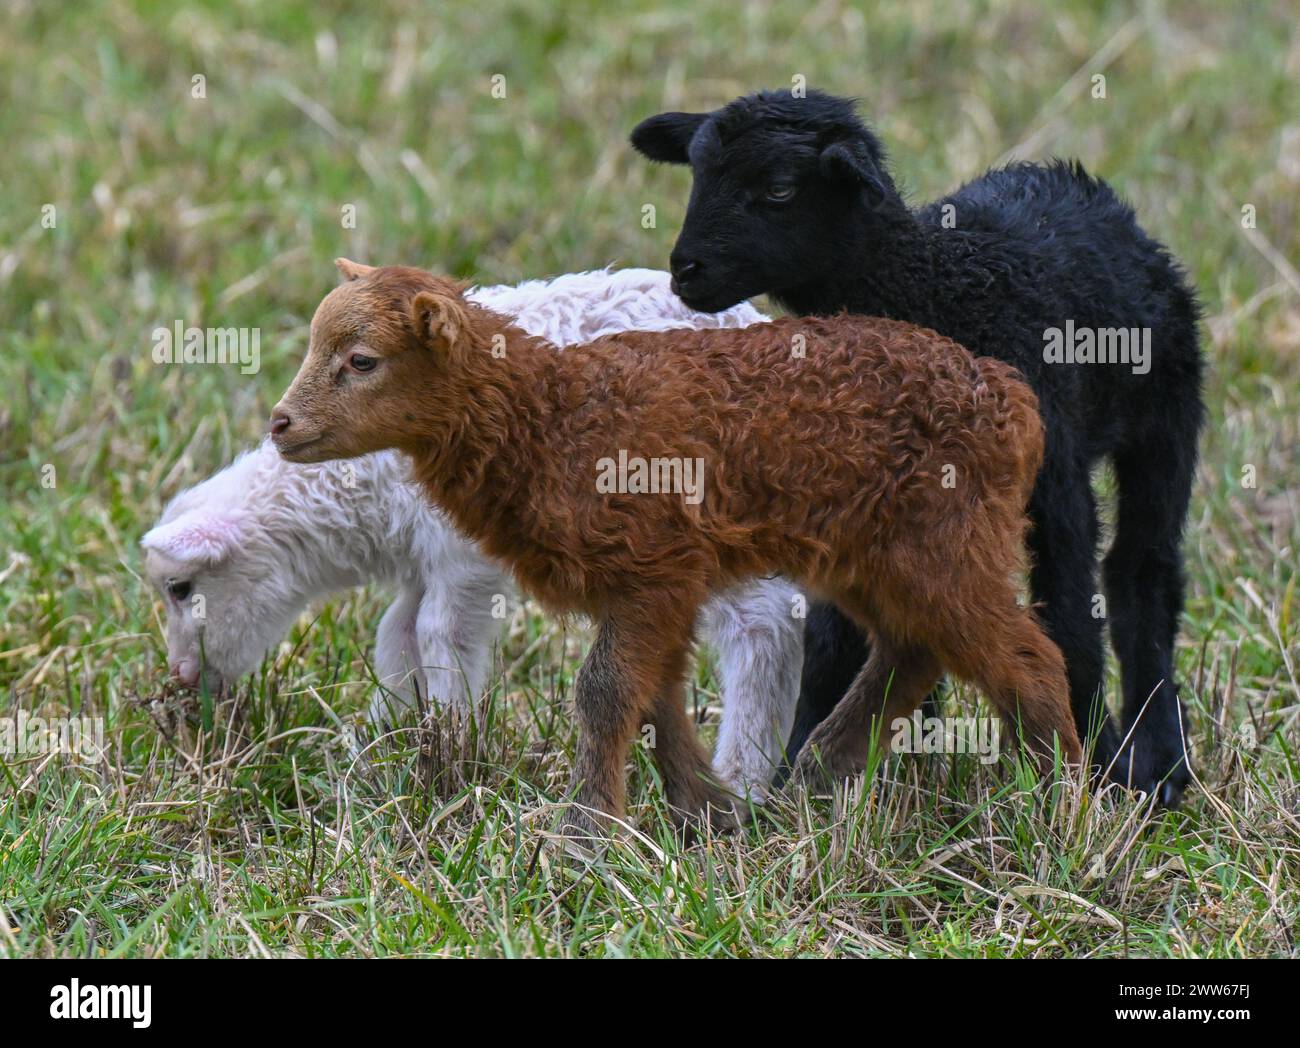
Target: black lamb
<point>1042,266</point>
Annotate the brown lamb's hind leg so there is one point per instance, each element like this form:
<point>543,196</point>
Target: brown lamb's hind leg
<point>972,627</point>
<point>960,595</point>
<point>892,684</point>
<point>999,647</point>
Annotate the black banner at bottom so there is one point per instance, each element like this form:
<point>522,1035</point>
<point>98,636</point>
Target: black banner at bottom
<point>340,997</point>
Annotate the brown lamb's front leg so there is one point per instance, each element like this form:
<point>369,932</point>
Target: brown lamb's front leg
<point>615,694</point>
<point>632,680</point>
<point>608,702</point>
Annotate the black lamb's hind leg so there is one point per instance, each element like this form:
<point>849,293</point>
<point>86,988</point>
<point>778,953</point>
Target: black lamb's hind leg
<point>1063,583</point>
<point>835,650</point>
<point>1144,585</point>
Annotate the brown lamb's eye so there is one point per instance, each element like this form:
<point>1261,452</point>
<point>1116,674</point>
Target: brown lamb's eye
<point>361,363</point>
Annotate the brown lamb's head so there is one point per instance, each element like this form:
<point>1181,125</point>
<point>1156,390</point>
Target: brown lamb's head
<point>380,351</point>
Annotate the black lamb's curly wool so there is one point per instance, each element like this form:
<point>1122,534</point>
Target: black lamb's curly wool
<point>791,197</point>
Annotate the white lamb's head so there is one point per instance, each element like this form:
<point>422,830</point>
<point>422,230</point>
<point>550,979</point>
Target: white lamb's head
<point>226,599</point>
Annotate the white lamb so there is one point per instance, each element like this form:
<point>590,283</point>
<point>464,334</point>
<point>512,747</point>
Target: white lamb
<point>239,556</point>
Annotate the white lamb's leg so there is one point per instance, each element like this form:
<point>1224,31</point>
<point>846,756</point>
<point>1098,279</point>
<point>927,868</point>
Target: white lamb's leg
<point>454,629</point>
<point>759,643</point>
<point>396,655</point>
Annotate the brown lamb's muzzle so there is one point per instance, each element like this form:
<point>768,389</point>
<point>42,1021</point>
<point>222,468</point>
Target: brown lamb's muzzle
<point>295,433</point>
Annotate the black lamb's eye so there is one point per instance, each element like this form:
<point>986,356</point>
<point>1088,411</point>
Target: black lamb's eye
<point>361,362</point>
<point>179,589</point>
<point>780,193</point>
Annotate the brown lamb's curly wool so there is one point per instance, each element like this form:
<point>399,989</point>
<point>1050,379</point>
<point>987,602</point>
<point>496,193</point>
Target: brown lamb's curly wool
<point>876,462</point>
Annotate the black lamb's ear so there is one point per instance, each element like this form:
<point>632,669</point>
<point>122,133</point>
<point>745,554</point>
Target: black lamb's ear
<point>666,137</point>
<point>850,160</point>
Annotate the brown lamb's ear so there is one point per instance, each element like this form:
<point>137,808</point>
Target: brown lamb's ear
<point>439,317</point>
<point>352,270</point>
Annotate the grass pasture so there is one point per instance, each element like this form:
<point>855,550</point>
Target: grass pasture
<point>247,827</point>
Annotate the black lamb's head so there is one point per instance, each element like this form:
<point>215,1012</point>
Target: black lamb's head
<point>780,181</point>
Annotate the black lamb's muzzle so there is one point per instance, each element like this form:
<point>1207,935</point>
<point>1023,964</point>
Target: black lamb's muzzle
<point>705,302</point>
<point>697,288</point>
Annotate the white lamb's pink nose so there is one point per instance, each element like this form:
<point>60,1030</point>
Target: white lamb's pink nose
<point>187,672</point>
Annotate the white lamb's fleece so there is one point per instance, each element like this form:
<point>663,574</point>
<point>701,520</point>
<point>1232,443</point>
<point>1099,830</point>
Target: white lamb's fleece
<point>239,556</point>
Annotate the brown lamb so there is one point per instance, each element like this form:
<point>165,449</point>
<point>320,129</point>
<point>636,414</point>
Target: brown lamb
<point>877,463</point>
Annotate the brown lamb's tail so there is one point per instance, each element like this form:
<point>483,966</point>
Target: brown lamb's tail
<point>1011,411</point>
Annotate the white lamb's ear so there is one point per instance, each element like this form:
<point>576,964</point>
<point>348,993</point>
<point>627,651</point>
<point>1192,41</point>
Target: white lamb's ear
<point>198,537</point>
